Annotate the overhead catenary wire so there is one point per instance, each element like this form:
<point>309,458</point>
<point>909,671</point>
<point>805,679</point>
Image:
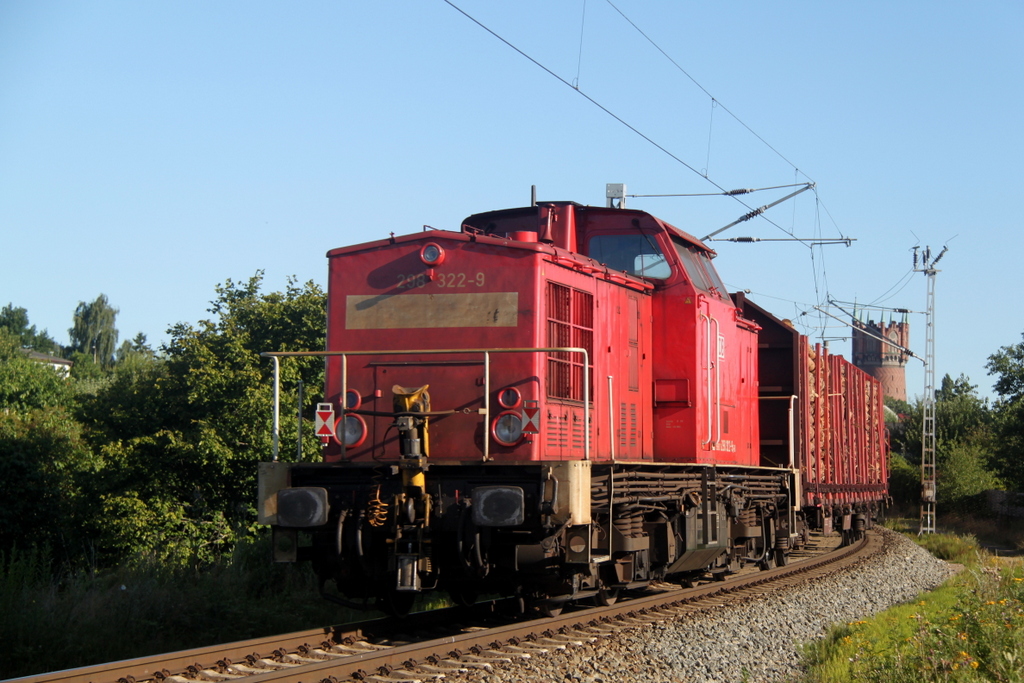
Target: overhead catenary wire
<point>901,283</point>
<point>612,114</point>
<point>742,190</point>
<point>579,58</point>
<point>583,94</point>
<point>801,309</point>
<point>819,273</point>
<point>871,334</point>
<point>819,205</point>
<point>873,307</point>
<point>813,241</point>
<point>715,102</point>
<point>760,210</point>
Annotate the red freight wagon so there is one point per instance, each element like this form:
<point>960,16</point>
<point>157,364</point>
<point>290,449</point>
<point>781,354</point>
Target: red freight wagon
<point>560,401</point>
<point>824,416</point>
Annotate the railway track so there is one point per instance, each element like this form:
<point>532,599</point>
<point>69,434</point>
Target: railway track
<point>368,652</point>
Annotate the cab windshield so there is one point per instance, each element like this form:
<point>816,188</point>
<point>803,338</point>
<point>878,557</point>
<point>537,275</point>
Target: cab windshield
<point>636,254</point>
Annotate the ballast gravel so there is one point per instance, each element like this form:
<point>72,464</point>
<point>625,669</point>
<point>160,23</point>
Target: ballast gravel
<point>757,640</point>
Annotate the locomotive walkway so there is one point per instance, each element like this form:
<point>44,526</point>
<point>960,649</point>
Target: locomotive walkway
<point>365,652</point>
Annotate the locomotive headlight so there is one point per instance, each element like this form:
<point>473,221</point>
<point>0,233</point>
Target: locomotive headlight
<point>353,433</point>
<point>302,507</point>
<point>432,254</point>
<point>353,399</point>
<point>509,397</point>
<point>498,506</point>
<point>507,428</point>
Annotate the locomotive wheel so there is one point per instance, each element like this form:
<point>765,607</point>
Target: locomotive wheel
<point>547,606</point>
<point>549,609</point>
<point>607,596</point>
<point>780,558</point>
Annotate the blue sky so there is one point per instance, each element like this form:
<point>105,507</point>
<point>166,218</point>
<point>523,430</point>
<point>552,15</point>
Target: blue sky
<point>150,151</point>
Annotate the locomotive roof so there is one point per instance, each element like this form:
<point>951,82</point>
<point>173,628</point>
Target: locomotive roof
<point>486,221</point>
<point>484,227</point>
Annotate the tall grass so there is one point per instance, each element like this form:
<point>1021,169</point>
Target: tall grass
<point>90,618</point>
<point>969,629</point>
<point>1004,534</point>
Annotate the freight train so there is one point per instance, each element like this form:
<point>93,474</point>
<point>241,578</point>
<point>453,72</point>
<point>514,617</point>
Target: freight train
<point>559,402</point>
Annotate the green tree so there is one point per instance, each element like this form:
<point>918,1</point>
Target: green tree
<point>181,435</point>
<point>1007,364</point>
<point>960,416</point>
<point>15,322</point>
<point>43,458</point>
<point>964,443</point>
<point>94,333</point>
<point>26,384</point>
<point>904,481</point>
<point>964,475</point>
<point>134,353</point>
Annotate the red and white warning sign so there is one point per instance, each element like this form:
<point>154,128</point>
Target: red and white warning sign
<point>324,419</point>
<point>531,417</point>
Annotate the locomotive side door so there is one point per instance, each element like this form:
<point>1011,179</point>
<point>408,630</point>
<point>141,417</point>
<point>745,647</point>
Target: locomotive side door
<point>710,352</point>
<point>632,418</point>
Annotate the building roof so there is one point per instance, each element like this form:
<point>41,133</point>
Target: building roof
<point>46,358</point>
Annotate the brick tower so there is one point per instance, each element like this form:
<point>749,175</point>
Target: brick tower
<point>882,361</point>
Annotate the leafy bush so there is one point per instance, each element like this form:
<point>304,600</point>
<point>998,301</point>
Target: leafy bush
<point>904,482</point>
<point>27,385</point>
<point>964,478</point>
<point>43,462</point>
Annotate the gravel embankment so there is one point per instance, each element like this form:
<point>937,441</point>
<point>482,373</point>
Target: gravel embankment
<point>755,641</point>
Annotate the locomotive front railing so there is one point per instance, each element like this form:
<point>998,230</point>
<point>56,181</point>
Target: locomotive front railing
<point>485,411</point>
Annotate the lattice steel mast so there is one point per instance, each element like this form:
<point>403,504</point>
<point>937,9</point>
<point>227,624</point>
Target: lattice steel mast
<point>926,265</point>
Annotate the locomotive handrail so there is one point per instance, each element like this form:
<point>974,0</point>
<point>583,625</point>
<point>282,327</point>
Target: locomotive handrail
<point>485,411</point>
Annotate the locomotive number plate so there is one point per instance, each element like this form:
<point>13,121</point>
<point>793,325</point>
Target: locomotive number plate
<point>442,280</point>
<point>421,311</point>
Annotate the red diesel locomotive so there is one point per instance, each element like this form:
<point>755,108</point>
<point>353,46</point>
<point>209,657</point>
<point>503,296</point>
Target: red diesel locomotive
<point>561,401</point>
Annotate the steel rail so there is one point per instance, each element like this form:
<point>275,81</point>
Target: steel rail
<point>143,668</point>
<point>453,647</point>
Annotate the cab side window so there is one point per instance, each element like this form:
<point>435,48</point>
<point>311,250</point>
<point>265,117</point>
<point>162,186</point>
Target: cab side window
<point>699,269</point>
